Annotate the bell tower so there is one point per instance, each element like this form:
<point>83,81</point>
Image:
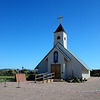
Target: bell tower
<point>60,36</point>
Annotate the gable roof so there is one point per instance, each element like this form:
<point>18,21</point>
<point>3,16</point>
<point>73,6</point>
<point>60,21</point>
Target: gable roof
<point>79,60</point>
<point>44,58</point>
<point>51,51</point>
<point>59,29</point>
<point>66,51</point>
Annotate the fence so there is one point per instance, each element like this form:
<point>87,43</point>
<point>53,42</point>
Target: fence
<point>45,77</point>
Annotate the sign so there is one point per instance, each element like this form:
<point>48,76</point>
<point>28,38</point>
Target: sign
<point>20,77</point>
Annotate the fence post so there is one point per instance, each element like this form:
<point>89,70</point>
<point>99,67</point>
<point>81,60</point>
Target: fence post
<point>43,78</point>
<point>18,84</point>
<point>5,83</point>
<point>47,76</point>
<point>50,77</point>
<point>35,78</point>
<point>54,75</point>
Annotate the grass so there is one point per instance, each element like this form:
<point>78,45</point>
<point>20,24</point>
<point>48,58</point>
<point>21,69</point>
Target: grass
<point>9,78</point>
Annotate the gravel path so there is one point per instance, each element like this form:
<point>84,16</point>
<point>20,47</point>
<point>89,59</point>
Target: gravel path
<point>89,90</point>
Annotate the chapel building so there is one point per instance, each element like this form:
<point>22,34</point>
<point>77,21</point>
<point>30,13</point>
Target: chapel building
<point>63,61</point>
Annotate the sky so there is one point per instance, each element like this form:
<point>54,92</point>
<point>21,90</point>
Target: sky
<point>27,30</point>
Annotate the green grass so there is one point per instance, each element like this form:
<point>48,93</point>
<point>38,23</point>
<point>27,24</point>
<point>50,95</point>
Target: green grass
<point>7,77</point>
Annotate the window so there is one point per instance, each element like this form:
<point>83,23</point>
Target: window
<point>64,38</point>
<point>58,37</point>
<point>55,56</point>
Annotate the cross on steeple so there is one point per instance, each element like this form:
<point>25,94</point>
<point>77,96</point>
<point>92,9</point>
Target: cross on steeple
<point>60,18</point>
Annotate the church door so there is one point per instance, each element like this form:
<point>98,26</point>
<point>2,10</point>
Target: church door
<point>56,68</point>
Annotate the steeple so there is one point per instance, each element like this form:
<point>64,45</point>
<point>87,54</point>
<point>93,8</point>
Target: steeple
<point>60,36</point>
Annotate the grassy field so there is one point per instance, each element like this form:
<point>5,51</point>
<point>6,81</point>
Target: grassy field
<point>8,78</point>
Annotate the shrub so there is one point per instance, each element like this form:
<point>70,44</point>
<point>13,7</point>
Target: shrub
<point>74,80</point>
<point>31,78</point>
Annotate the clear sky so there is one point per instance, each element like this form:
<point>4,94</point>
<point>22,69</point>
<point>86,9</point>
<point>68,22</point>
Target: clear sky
<point>27,26</point>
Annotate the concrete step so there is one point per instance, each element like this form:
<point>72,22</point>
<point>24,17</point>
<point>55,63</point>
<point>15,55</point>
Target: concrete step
<point>58,80</point>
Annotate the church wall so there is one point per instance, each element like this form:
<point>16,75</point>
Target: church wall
<point>63,70</point>
<point>74,67</point>
<point>66,66</point>
<point>60,61</point>
<point>66,69</point>
<point>43,67</point>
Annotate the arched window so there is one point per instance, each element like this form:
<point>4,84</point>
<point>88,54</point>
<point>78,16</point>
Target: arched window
<point>58,37</point>
<point>55,56</point>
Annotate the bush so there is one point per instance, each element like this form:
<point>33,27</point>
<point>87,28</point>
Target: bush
<point>95,73</point>
<point>31,78</point>
<point>75,80</point>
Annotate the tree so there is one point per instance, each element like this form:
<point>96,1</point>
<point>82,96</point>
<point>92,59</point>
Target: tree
<point>11,72</point>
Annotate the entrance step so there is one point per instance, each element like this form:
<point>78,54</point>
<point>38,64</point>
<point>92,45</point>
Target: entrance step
<point>58,80</point>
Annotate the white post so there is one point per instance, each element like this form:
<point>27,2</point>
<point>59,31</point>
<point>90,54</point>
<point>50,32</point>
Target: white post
<point>5,83</point>
<point>18,84</point>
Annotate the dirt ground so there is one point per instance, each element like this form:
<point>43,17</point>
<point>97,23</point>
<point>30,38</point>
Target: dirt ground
<point>89,90</point>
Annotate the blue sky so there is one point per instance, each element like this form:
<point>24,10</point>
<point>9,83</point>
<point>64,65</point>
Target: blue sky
<point>27,26</point>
